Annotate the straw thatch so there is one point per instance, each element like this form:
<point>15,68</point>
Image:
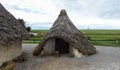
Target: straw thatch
<point>10,28</point>
<point>64,29</point>
<point>11,35</point>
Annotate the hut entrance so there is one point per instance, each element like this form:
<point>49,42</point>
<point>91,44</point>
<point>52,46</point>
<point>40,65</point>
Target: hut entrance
<point>61,46</point>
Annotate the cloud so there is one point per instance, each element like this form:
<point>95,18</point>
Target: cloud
<point>83,13</point>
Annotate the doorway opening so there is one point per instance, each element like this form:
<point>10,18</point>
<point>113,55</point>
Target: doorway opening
<point>61,46</point>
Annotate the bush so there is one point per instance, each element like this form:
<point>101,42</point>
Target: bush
<point>89,38</point>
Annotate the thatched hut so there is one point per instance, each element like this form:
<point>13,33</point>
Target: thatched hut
<point>65,38</point>
<point>11,35</point>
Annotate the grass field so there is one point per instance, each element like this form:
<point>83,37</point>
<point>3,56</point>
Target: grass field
<point>96,37</point>
<point>102,35</point>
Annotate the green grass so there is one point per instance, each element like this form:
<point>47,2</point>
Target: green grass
<point>96,37</point>
<point>90,32</point>
<point>104,37</point>
<point>37,31</point>
<point>30,42</point>
<point>36,38</point>
<point>106,43</point>
<point>101,32</point>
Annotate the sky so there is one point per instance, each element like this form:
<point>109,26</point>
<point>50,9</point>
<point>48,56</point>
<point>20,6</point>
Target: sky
<point>92,14</point>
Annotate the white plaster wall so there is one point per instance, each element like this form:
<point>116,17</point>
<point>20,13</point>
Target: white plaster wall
<point>75,52</point>
<point>7,53</point>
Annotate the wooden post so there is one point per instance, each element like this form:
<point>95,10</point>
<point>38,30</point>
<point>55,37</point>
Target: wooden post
<point>57,54</point>
<point>117,41</point>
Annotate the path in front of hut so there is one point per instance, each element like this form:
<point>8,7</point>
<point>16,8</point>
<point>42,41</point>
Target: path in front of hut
<point>107,58</point>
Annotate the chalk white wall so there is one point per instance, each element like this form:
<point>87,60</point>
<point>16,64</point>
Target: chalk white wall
<point>8,53</point>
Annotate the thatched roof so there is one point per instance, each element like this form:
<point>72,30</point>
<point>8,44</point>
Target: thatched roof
<point>10,28</point>
<point>63,28</point>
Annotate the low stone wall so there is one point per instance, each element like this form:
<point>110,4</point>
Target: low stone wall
<point>9,52</point>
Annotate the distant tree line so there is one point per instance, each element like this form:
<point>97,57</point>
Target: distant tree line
<point>28,28</point>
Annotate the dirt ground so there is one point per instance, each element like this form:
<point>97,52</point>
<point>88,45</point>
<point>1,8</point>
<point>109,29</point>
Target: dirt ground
<point>107,58</point>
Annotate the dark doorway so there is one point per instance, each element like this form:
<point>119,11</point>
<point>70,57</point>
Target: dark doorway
<point>61,46</point>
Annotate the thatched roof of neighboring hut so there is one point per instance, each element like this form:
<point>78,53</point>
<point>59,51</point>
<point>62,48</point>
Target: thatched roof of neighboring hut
<point>63,28</point>
<point>10,28</point>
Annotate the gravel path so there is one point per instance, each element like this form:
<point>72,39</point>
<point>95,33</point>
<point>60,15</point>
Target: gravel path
<point>107,58</point>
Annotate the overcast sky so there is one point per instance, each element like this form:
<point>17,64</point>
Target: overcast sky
<point>92,14</point>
